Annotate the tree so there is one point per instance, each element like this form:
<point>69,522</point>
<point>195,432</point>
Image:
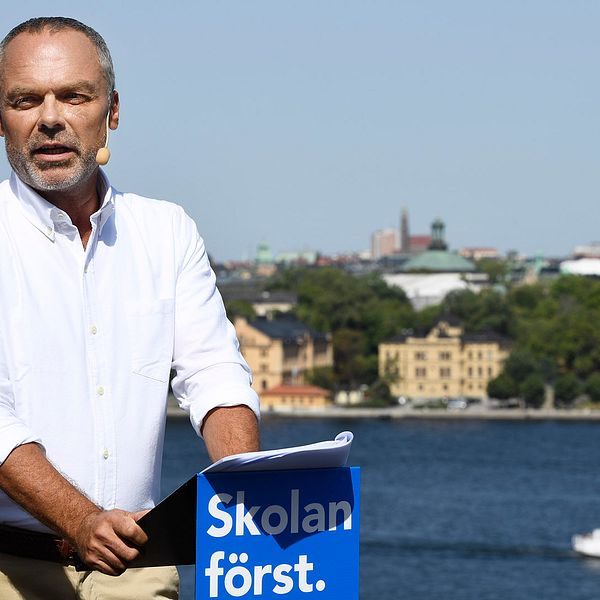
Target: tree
<point>352,366</point>
<point>502,387</point>
<point>321,376</point>
<point>532,390</point>
<point>520,365</point>
<point>496,270</point>
<point>592,387</point>
<point>566,388</point>
<point>240,308</point>
<point>379,394</point>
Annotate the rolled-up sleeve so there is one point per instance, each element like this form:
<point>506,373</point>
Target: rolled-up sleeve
<point>210,371</point>
<point>13,431</point>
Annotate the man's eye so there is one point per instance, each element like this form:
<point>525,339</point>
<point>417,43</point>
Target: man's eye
<point>24,102</point>
<point>75,98</point>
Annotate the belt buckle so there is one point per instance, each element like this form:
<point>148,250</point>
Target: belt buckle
<point>67,552</point>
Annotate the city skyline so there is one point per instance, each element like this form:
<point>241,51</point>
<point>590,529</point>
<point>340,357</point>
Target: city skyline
<point>310,125</point>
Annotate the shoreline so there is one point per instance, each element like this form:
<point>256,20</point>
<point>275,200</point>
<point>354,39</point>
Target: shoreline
<point>399,413</point>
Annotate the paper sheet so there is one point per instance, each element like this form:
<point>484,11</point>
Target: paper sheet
<point>321,455</point>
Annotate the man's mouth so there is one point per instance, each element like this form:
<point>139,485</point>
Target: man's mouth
<point>51,150</point>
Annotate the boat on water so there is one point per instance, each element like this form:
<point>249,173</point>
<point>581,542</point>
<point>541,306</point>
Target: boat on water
<point>587,544</point>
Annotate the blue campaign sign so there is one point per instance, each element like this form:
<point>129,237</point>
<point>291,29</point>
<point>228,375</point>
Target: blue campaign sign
<point>269,534</point>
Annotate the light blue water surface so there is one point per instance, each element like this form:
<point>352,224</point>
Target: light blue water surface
<point>452,509</point>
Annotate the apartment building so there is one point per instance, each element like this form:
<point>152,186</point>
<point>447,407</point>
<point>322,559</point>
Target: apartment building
<point>445,362</point>
<point>281,349</point>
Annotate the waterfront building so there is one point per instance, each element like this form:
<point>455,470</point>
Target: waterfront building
<point>445,362</point>
<point>383,243</point>
<point>410,245</point>
<point>480,253</point>
<point>281,349</point>
<point>292,397</point>
<point>591,250</point>
<point>429,276</point>
<point>589,267</point>
<point>265,264</point>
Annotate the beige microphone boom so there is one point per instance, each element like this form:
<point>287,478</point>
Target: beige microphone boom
<point>103,154</point>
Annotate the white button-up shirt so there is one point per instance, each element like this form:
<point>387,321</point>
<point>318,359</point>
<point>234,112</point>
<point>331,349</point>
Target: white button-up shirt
<point>88,338</point>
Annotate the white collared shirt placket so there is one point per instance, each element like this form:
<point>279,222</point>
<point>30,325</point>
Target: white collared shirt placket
<point>101,395</point>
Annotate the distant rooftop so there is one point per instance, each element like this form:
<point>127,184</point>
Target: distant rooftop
<point>284,327</point>
<point>477,337</point>
<point>439,261</point>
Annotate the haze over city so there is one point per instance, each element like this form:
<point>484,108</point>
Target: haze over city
<point>311,124</point>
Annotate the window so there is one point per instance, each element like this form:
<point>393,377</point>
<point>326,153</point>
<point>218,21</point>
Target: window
<point>420,356</point>
<point>490,372</point>
<point>264,367</point>
<point>470,371</point>
<point>479,371</point>
<point>421,372</point>
<point>445,387</point>
<point>444,372</point>
<point>290,351</point>
<point>263,384</point>
<point>264,352</point>
<point>445,356</point>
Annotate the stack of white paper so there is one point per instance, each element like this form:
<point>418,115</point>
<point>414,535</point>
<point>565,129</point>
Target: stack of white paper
<point>322,455</point>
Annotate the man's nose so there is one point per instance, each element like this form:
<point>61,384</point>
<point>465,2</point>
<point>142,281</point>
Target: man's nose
<point>50,117</point>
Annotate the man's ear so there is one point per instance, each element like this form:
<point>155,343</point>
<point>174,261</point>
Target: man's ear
<point>113,121</point>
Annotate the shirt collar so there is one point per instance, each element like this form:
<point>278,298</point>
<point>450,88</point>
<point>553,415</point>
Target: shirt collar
<point>45,216</point>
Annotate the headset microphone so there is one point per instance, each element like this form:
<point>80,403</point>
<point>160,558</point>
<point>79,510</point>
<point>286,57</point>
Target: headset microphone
<point>103,154</point>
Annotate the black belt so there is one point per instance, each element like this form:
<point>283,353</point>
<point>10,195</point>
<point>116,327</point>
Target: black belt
<point>36,545</point>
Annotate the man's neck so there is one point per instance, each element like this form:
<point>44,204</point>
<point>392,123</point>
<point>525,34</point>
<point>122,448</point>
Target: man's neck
<point>79,202</point>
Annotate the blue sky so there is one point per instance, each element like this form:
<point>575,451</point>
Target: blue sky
<point>311,123</point>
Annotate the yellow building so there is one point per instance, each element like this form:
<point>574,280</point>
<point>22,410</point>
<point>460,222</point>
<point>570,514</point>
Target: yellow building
<point>281,349</point>
<point>291,397</point>
<point>444,363</point>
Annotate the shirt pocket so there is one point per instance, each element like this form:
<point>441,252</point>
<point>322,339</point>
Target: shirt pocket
<point>151,331</point>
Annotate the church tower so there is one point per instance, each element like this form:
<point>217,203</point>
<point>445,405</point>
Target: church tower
<point>404,233</point>
<point>437,236</point>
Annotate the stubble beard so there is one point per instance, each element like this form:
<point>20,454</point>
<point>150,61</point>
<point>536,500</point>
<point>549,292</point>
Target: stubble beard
<point>44,177</point>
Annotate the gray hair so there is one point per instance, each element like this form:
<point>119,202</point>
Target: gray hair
<point>56,24</point>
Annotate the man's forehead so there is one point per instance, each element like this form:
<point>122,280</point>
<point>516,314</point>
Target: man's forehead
<point>50,55</point>
<point>46,38</point>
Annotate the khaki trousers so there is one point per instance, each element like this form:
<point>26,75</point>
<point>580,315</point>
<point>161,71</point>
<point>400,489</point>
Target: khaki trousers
<point>27,579</point>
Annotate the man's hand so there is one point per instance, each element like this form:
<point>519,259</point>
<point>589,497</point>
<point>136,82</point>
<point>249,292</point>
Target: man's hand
<point>108,541</point>
<point>105,540</point>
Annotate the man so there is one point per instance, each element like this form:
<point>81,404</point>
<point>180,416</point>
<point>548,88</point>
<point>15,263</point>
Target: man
<point>103,293</point>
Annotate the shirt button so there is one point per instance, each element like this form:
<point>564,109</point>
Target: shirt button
<point>93,330</point>
<point>105,454</point>
<point>49,230</point>
<point>100,391</point>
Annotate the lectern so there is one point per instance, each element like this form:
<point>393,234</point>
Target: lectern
<point>262,534</point>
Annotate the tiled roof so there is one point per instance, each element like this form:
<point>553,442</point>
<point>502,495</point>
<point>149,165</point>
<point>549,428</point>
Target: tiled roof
<point>284,327</point>
<point>482,337</point>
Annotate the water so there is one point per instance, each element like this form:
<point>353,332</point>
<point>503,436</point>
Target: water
<point>453,510</point>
